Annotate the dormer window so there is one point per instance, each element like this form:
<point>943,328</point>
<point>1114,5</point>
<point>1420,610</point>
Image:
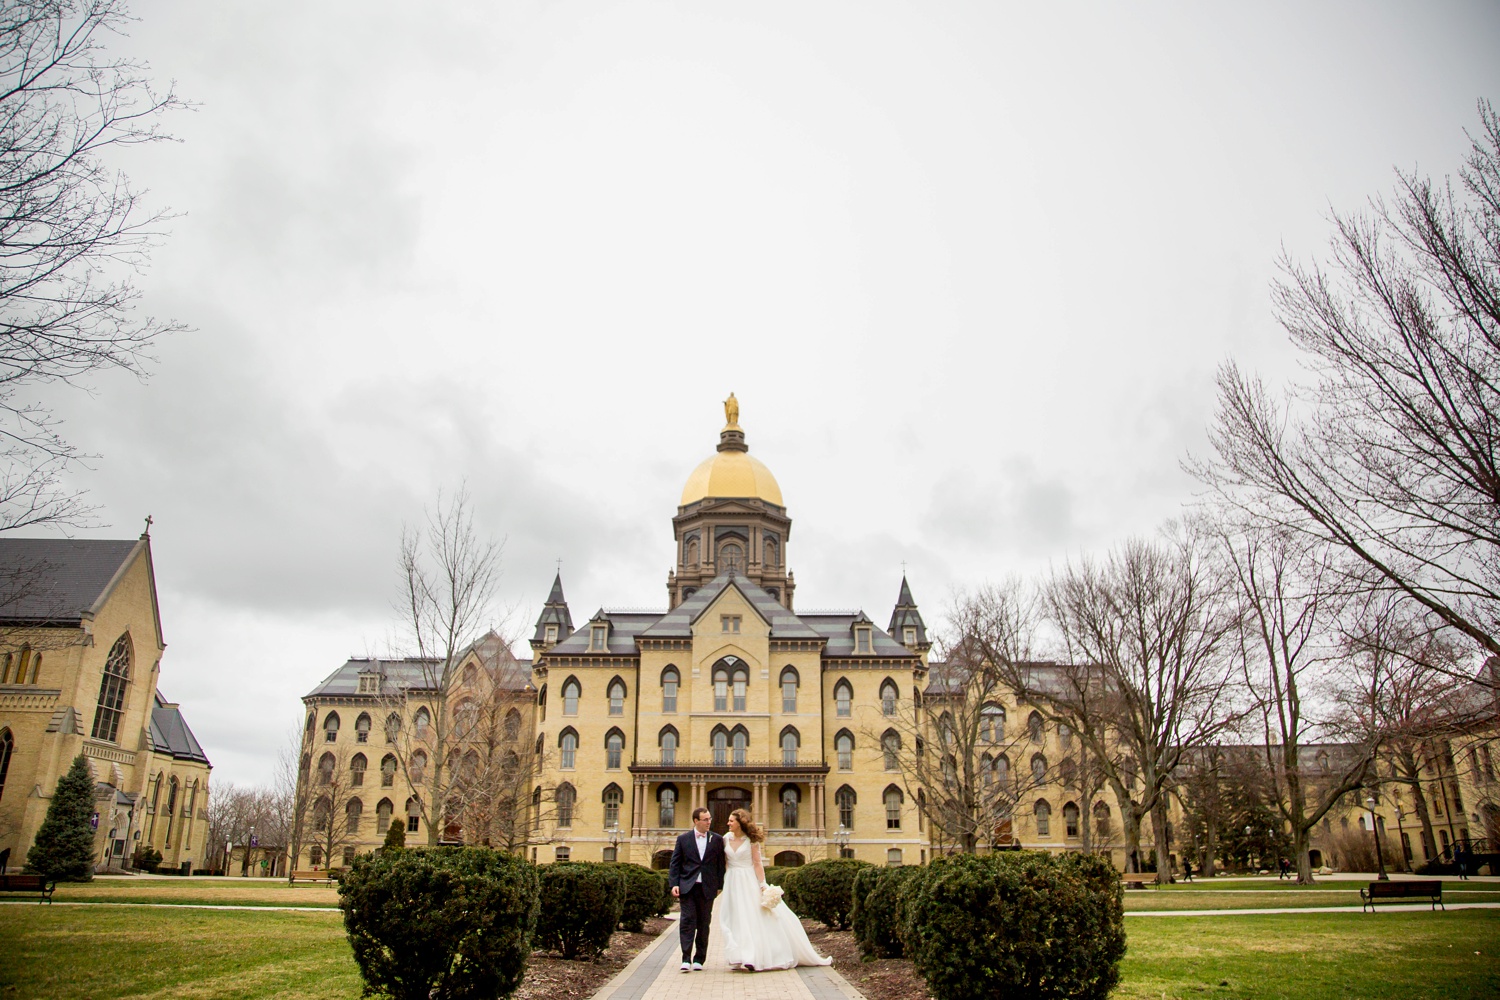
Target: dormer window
<point>910,636</point>
<point>729,623</point>
<point>599,639</point>
<point>369,684</point>
<point>551,633</point>
<point>862,639</point>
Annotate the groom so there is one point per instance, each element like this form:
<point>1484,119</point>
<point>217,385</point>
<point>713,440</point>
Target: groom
<point>696,876</point>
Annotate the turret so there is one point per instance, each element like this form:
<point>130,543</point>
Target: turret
<point>555,622</point>
<point>906,621</point>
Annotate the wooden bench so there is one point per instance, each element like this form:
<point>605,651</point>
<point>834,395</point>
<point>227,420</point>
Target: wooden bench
<point>28,883</point>
<point>316,875</point>
<point>1135,881</point>
<point>1430,890</point>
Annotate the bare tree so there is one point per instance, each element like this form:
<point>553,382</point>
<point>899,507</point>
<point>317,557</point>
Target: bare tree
<point>333,817</point>
<point>1390,453</point>
<point>1145,674</point>
<point>71,231</point>
<point>293,793</point>
<point>448,576</point>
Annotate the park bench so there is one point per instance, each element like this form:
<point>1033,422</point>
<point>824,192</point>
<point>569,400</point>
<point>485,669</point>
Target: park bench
<point>1431,890</point>
<point>316,875</point>
<point>28,883</point>
<point>1135,881</point>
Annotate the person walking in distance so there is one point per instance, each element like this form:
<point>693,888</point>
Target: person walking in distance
<point>696,876</point>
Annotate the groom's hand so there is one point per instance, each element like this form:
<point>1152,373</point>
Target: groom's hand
<point>676,891</point>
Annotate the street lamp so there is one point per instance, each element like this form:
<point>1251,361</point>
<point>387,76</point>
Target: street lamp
<point>1249,851</point>
<point>614,840</point>
<point>841,837</point>
<point>1375,825</point>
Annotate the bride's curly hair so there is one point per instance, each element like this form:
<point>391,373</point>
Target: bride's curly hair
<point>756,833</point>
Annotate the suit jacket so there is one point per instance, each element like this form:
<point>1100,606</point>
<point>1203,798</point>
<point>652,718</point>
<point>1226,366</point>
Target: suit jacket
<point>686,864</point>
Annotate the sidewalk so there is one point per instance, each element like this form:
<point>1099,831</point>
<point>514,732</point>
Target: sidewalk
<point>654,975</point>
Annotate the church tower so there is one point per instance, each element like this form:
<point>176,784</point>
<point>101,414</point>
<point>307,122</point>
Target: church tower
<point>731,519</point>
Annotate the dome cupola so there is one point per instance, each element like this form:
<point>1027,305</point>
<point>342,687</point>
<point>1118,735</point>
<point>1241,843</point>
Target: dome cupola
<point>732,473</point>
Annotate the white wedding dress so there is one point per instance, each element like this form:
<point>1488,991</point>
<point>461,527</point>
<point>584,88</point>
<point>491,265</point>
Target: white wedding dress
<point>754,936</point>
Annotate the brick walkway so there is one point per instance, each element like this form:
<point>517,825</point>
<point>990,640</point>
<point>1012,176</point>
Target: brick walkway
<point>654,975</point>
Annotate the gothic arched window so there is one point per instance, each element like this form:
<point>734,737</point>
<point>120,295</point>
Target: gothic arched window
<point>789,799</point>
<point>789,690</point>
<point>111,690</point>
<point>669,681</point>
<point>667,740</point>
<point>845,799</point>
<point>843,699</point>
<point>888,695</point>
<point>1043,813</point>
<point>614,749</point>
<point>790,741</point>
<point>844,744</point>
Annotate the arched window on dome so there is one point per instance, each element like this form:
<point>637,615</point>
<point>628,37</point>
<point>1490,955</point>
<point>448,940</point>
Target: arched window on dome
<point>772,553</point>
<point>731,558</point>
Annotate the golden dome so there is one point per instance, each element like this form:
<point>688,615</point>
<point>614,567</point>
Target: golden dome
<point>732,472</point>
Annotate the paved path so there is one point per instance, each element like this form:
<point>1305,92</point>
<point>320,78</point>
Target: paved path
<point>654,975</point>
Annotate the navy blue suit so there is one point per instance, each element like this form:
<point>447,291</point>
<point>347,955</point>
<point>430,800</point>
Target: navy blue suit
<point>698,881</point>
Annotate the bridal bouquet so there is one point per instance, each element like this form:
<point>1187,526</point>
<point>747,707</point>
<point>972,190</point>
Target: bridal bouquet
<point>770,896</point>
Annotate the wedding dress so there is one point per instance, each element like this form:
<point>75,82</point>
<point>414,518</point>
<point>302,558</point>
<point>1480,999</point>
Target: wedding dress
<point>754,936</point>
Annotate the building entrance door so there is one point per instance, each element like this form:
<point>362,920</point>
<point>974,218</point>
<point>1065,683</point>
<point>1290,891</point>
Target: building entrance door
<point>722,802</point>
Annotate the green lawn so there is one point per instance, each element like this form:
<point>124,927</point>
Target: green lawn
<point>112,953</point>
<point>225,891</point>
<point>1385,956</point>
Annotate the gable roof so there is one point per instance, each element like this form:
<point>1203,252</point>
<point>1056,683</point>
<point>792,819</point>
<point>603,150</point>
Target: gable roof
<point>61,581</point>
<point>170,733</point>
<point>678,623</point>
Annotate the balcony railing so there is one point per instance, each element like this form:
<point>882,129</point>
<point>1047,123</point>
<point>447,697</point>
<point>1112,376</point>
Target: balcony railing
<point>729,764</point>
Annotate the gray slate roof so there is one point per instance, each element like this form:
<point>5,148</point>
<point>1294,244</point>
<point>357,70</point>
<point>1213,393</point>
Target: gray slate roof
<point>170,733</point>
<point>624,626</point>
<point>678,623</point>
<point>838,629</point>
<point>415,672</point>
<point>57,579</point>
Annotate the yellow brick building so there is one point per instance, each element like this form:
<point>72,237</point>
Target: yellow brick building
<point>80,658</point>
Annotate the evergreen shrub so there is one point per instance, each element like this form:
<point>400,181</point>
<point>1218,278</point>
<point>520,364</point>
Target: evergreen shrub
<point>1017,924</point>
<point>877,909</point>
<point>450,923</point>
<point>64,847</point>
<point>825,890</point>
<point>395,836</point>
<point>581,905</point>
<point>643,894</point>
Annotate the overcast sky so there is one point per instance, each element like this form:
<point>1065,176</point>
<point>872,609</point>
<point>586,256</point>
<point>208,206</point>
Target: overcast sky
<point>969,269</point>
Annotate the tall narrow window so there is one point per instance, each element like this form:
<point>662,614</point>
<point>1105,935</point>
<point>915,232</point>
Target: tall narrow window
<point>893,808</point>
<point>614,749</point>
<point>789,743</point>
<point>413,815</point>
<point>617,698</point>
<point>862,640</point>
<point>331,727</point>
<point>357,769</point>
<point>1038,769</point>
<point>741,744</point>
<point>1101,820</point>
<point>7,745</point>
<point>843,699</point>
<point>1035,727</point>
<point>1043,813</point>
<point>992,723</point>
<point>418,767</point>
<point>669,681</point>
<point>565,798</point>
<point>888,695</point>
<point>567,743</point>
<point>845,799</point>
<point>721,748</point>
<point>352,813</point>
<point>112,691</point>
<point>392,727</point>
<point>789,690</point>
<point>789,800</point>
<point>513,724</point>
<point>668,742</point>
<point>666,806</point>
<point>362,728</point>
<point>890,746</point>
<point>1070,820</point>
<point>423,722</point>
<point>741,684</point>
<point>844,744</point>
<point>571,692</point>
<point>387,771</point>
<point>383,815</point>
<point>721,690</point>
<point>612,799</point>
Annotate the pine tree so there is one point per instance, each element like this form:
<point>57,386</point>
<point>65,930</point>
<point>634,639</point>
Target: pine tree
<point>64,847</point>
<point>395,837</point>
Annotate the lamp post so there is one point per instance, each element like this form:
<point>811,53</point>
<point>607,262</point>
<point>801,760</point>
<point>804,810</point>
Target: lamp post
<point>841,837</point>
<point>1400,813</point>
<point>614,840</point>
<point>1248,849</point>
<point>1375,825</point>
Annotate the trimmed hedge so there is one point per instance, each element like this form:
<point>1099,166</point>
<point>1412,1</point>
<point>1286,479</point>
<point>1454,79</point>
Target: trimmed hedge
<point>1015,924</point>
<point>440,924</point>
<point>582,902</point>
<point>877,913</point>
<point>643,893</point>
<point>824,890</point>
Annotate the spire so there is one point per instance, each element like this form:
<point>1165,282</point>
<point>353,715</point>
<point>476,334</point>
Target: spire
<point>554,619</point>
<point>906,616</point>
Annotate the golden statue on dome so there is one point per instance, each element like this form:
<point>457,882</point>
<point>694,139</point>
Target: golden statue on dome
<point>732,411</point>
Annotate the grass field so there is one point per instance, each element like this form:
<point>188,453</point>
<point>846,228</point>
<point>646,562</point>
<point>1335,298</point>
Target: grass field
<point>224,891</point>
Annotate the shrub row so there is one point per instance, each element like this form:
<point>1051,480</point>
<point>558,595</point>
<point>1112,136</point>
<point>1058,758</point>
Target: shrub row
<point>822,890</point>
<point>876,913</point>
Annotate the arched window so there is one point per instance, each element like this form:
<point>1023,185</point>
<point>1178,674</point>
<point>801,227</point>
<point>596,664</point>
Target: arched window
<point>1101,819</point>
<point>992,723</point>
<point>383,813</point>
<point>1002,771</point>
<point>111,689</point>
<point>418,767</point>
<point>1065,736</point>
<point>352,813</point>
<point>667,740</point>
<point>1043,813</point>
<point>721,747</point>
<point>172,789</point>
<point>468,768</point>
<point>565,797</point>
<point>721,689</point>
<point>541,704</point>
<point>362,728</point>
<point>741,685</point>
<point>571,693</point>
<point>893,799</point>
<point>326,764</point>
<point>466,716</point>
<point>513,724</point>
<point>890,747</point>
<point>614,749</point>
<point>789,799</point>
<point>773,553</point>
<point>617,697</point>
<point>844,744</point>
<point>845,799</point>
<point>666,806</point>
<point>413,814</point>
<point>357,769</point>
<point>731,557</point>
<point>392,727</point>
<point>987,770</point>
<point>843,699</point>
<point>387,770</point>
<point>1324,763</point>
<point>312,719</point>
<point>789,690</point>
<point>330,727</point>
<point>422,722</point>
<point>669,681</point>
<point>947,730</point>
<point>7,747</point>
<point>1038,769</point>
<point>613,796</point>
<point>1070,820</point>
<point>567,744</point>
<point>888,695</point>
<point>740,742</point>
<point>1035,728</point>
<point>790,741</point>
<point>536,808</point>
<point>1067,772</point>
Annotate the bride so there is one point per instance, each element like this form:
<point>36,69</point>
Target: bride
<point>756,938</point>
